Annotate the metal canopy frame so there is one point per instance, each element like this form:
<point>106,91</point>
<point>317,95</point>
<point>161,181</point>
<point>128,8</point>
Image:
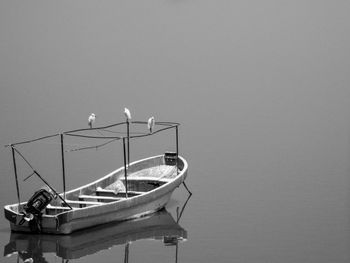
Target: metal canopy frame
<point>162,126</point>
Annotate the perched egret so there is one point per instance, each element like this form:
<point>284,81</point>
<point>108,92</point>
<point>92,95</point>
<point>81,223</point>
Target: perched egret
<point>150,124</point>
<point>127,114</point>
<point>92,119</point>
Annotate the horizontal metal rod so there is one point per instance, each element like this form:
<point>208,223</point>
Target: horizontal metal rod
<point>72,132</point>
<point>33,140</point>
<point>96,128</point>
<point>92,147</point>
<point>164,123</point>
<point>149,134</point>
<point>93,137</point>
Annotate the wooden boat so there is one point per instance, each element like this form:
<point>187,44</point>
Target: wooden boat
<point>134,190</point>
<point>157,226</point>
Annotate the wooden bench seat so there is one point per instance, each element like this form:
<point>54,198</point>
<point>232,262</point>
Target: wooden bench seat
<point>82,203</point>
<point>147,179</point>
<point>130,193</point>
<point>57,207</point>
<point>54,210</point>
<point>106,192</point>
<point>96,197</point>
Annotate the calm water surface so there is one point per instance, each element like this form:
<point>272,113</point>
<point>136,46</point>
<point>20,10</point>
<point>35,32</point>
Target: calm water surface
<point>261,89</point>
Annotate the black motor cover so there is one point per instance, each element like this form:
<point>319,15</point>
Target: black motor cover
<point>38,202</point>
<point>170,158</point>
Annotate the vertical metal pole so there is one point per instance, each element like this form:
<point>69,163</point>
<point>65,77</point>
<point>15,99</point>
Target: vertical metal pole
<point>128,133</point>
<point>177,148</point>
<point>63,167</point>
<point>125,170</point>
<point>177,141</point>
<point>15,171</point>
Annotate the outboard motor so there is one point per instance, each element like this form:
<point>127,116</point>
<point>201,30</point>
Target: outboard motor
<point>34,207</point>
<point>38,202</point>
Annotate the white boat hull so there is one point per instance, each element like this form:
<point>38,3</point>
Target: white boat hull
<point>134,206</point>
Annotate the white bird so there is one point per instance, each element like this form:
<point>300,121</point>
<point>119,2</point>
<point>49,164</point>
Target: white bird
<point>92,119</point>
<point>150,124</point>
<point>127,114</point>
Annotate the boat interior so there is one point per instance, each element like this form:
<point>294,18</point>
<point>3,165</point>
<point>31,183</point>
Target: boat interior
<point>142,177</point>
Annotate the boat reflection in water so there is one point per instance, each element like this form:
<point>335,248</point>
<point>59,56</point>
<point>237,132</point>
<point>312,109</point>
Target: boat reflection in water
<point>158,226</point>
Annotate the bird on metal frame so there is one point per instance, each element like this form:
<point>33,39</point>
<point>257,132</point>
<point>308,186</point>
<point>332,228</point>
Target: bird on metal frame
<point>150,124</point>
<point>127,114</point>
<point>92,119</point>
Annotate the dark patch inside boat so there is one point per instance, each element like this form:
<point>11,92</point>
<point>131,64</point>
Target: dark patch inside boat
<point>170,158</point>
